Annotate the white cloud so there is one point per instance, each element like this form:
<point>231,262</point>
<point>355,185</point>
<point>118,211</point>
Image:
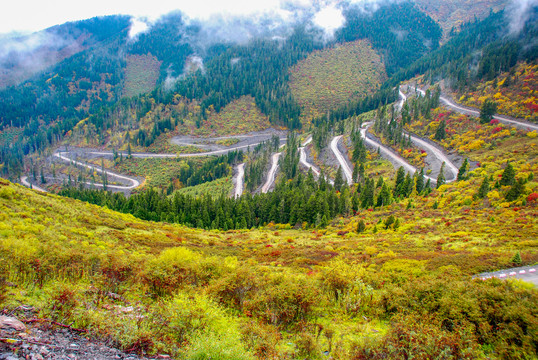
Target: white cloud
<point>329,19</point>
<point>518,13</point>
<point>138,26</point>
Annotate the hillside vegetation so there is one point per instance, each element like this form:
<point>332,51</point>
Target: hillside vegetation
<point>141,74</point>
<point>399,283</point>
<point>332,77</point>
<point>240,116</point>
<point>454,13</point>
<point>515,93</point>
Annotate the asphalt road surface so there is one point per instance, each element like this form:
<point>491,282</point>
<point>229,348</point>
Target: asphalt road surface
<point>525,273</point>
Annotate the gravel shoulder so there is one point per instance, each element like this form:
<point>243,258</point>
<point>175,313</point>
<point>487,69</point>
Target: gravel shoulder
<point>40,340</point>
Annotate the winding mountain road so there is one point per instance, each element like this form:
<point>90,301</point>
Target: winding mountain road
<point>470,111</point>
<point>130,182</point>
<point>391,155</point>
<point>439,155</point>
<point>239,180</point>
<point>134,182</point>
<point>271,174</point>
<point>343,163</point>
<point>25,182</point>
<point>303,160</point>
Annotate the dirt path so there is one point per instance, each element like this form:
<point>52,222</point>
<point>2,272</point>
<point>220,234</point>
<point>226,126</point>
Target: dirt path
<point>403,98</point>
<point>245,140</point>
<point>390,154</point>
<point>271,174</point>
<point>439,155</point>
<point>348,173</point>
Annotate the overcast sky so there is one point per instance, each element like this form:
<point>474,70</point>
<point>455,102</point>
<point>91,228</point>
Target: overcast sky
<point>32,15</point>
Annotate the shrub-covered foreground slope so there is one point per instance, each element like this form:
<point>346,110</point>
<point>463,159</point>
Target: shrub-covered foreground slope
<point>391,291</point>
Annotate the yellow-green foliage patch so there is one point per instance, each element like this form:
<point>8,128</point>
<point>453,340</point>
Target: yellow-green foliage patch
<point>141,74</point>
<point>516,94</point>
<point>157,172</point>
<point>215,188</point>
<point>238,117</point>
<point>454,13</point>
<point>331,77</point>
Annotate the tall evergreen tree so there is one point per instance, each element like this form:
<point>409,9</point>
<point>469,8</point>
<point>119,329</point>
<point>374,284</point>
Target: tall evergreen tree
<point>463,170</point>
<point>508,176</point>
<point>338,179</point>
<point>488,109</point>
<point>441,180</point>
<point>440,133</point>
<point>483,189</point>
<point>516,190</point>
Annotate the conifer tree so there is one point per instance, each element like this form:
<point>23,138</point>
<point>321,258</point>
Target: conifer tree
<point>488,109</point>
<point>385,196</point>
<point>355,175</point>
<point>361,226</point>
<point>338,179</point>
<point>441,177</point>
<point>43,180</point>
<point>419,186</point>
<point>516,190</point>
<point>400,178</point>
<point>463,170</point>
<point>516,259</point>
<point>440,133</point>
<point>508,176</point>
<point>483,189</point>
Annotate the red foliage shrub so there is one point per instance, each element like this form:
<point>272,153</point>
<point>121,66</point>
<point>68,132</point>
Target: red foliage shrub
<point>532,197</point>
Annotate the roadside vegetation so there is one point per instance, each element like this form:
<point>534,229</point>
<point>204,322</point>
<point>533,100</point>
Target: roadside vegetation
<point>515,92</point>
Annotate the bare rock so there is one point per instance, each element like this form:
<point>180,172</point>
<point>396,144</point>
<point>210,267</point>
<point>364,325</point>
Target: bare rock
<point>11,324</point>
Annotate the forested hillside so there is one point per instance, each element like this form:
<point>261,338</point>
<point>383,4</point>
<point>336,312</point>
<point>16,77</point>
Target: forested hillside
<point>49,106</point>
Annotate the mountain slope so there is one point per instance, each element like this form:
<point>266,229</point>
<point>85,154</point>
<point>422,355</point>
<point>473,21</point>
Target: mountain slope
<point>454,13</point>
<point>332,77</point>
<point>155,287</point>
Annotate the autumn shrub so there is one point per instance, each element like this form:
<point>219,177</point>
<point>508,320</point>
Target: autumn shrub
<point>343,283</point>
<point>63,300</point>
<point>3,280</point>
<point>416,338</point>
<point>217,348</point>
<point>307,346</point>
<point>177,267</point>
<point>261,338</point>
<point>235,287</point>
<point>455,304</point>
<point>283,299</point>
